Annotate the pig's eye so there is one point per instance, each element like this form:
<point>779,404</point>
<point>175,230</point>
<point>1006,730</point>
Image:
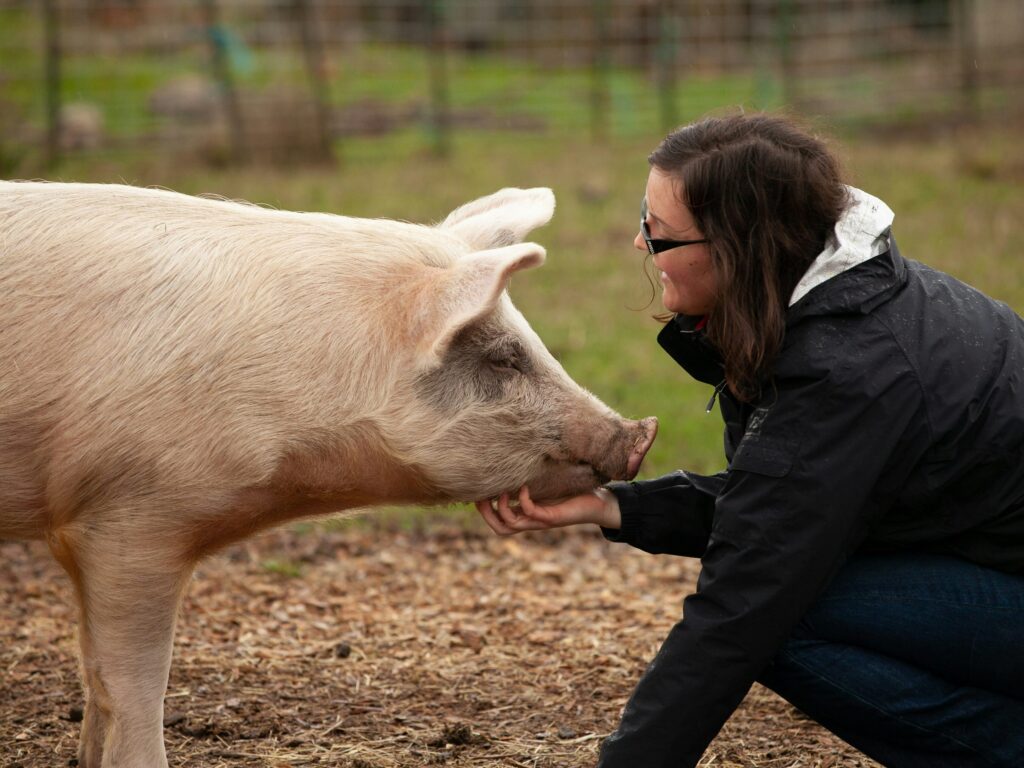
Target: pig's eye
<point>506,364</point>
<point>507,359</point>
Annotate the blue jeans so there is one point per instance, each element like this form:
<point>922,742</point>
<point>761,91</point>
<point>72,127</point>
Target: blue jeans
<point>916,660</point>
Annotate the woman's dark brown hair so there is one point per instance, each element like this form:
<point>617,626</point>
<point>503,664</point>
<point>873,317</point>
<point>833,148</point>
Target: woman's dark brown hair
<point>767,195</point>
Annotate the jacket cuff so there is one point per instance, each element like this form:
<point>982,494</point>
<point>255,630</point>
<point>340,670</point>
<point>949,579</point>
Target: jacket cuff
<point>629,508</point>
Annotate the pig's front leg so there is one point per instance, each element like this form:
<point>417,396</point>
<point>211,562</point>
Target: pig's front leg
<point>128,585</point>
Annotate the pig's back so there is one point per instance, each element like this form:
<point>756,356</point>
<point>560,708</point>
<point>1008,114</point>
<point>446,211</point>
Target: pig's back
<point>102,278</point>
<point>96,277</point>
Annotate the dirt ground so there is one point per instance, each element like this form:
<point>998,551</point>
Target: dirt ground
<point>372,647</point>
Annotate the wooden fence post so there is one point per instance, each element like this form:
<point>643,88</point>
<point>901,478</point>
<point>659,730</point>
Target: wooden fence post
<point>51,31</point>
<point>666,57</point>
<point>966,43</point>
<point>439,121</point>
<point>217,36</point>
<point>312,48</point>
<point>600,85</point>
<point>784,31</point>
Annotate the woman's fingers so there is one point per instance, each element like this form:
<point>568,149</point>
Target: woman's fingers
<point>503,518</point>
<point>487,512</point>
<point>526,503</point>
<point>508,517</point>
<point>518,518</point>
<point>540,516</point>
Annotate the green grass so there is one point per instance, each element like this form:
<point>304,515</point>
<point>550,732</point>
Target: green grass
<point>284,568</point>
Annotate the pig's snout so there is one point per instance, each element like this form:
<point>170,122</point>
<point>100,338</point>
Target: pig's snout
<point>618,454</point>
<point>644,441</point>
<point>612,451</point>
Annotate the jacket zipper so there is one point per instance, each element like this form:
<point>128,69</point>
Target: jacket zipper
<point>714,395</point>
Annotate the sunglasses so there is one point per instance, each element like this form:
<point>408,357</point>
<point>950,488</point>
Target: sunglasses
<point>657,246</point>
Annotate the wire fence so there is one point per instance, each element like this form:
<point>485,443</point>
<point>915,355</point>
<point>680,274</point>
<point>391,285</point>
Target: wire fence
<point>304,80</point>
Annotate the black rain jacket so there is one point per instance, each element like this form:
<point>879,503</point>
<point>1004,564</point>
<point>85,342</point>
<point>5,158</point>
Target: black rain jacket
<point>894,421</point>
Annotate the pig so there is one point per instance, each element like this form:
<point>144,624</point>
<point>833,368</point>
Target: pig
<point>177,373</point>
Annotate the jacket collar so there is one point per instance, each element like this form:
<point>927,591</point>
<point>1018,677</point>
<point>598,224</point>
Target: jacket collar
<point>861,234</point>
<point>689,347</point>
<point>858,290</point>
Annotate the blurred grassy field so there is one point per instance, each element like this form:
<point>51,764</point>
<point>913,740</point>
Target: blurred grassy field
<point>490,85</point>
<point>956,194</point>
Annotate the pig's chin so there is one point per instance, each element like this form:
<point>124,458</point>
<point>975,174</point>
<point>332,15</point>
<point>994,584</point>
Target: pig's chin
<point>561,480</point>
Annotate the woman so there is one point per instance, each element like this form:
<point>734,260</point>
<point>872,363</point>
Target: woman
<point>863,553</point>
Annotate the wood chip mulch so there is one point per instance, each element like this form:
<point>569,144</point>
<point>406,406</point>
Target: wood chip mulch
<point>369,646</point>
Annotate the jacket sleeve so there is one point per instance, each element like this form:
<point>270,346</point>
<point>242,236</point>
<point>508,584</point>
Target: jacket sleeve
<point>815,465</point>
<point>669,515</point>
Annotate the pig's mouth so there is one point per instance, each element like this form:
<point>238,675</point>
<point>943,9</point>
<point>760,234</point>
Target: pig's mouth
<point>599,477</point>
<point>560,479</point>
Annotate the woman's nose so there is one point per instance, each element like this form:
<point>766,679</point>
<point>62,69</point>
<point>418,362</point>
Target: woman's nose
<point>639,243</point>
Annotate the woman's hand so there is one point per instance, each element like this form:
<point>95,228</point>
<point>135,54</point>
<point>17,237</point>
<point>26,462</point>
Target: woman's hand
<point>600,507</point>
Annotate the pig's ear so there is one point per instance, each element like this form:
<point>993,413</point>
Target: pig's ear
<point>504,218</point>
<point>473,288</point>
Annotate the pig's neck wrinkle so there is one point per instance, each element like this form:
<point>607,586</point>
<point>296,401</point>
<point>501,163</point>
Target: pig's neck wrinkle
<point>357,471</point>
<point>258,510</point>
<point>314,484</point>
